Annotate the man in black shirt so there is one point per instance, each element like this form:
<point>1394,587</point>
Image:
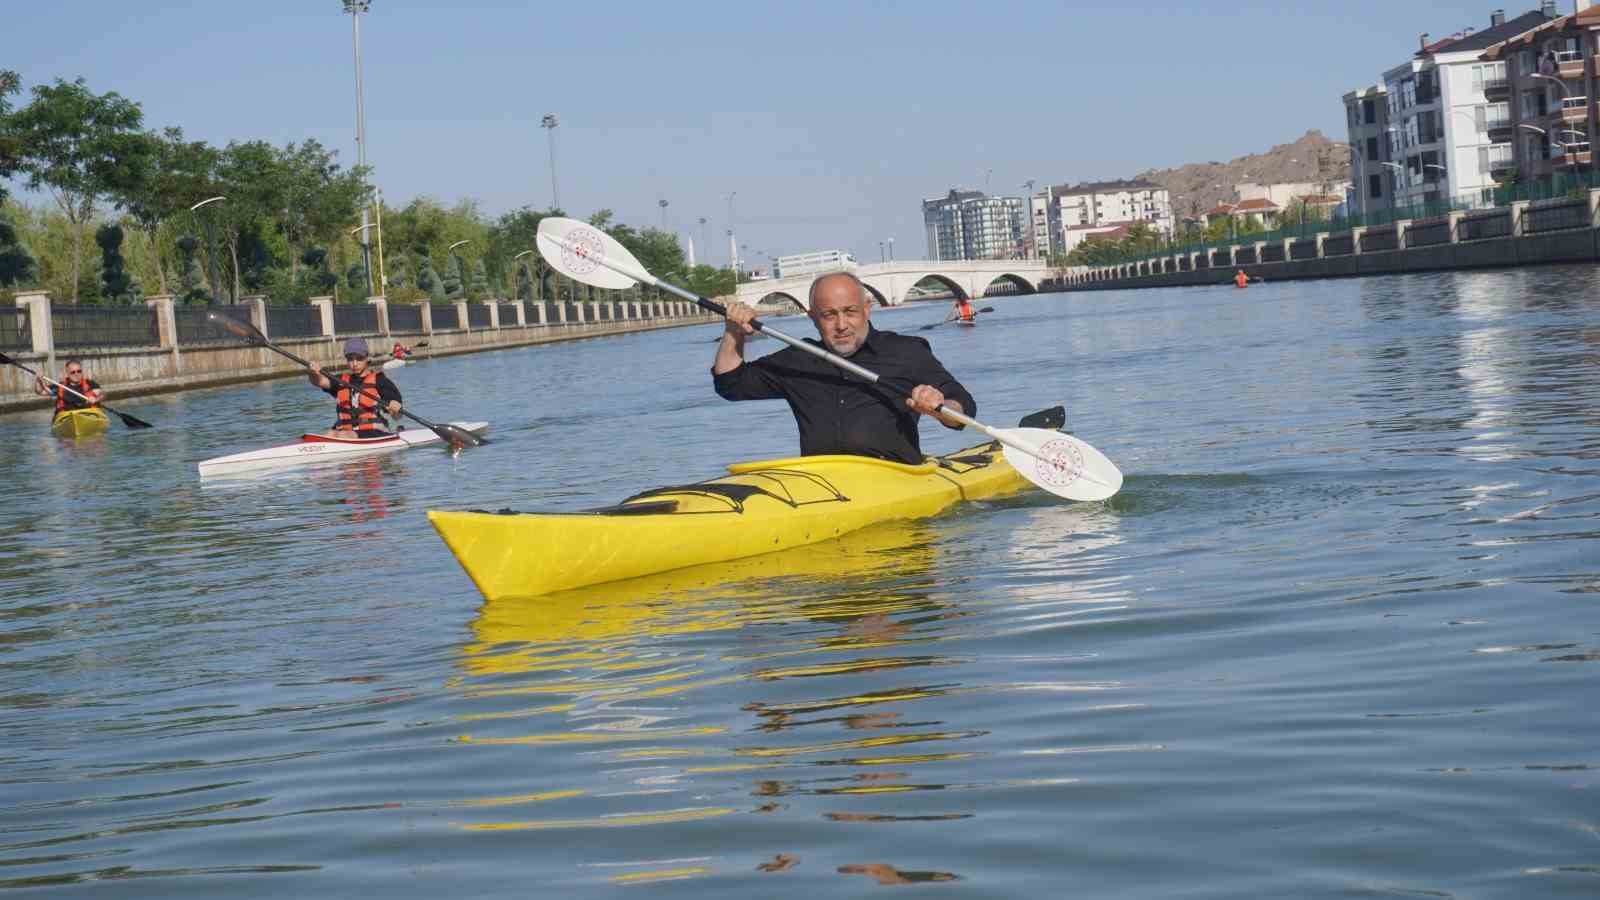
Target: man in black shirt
<point>838,412</point>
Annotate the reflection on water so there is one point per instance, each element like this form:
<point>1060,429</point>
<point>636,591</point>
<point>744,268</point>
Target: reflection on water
<point>1334,638</point>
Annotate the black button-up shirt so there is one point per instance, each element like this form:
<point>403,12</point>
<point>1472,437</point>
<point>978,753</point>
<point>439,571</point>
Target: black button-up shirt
<point>838,412</point>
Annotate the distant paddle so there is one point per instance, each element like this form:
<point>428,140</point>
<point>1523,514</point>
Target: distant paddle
<point>134,423</point>
<point>450,434</point>
<point>986,309</point>
<point>1058,463</point>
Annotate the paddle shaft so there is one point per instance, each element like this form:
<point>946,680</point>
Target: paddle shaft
<point>130,421</point>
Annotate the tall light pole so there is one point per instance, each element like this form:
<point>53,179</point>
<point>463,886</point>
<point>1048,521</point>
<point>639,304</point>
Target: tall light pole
<point>355,8</point>
<point>663,205</point>
<point>733,245</point>
<point>533,280</point>
<point>211,269</point>
<point>549,124</point>
<point>891,249</point>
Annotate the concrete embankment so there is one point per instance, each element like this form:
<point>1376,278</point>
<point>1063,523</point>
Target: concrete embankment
<point>173,362</point>
<point>1525,233</point>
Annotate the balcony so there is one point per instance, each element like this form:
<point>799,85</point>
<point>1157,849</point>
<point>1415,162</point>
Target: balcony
<point>1574,109</point>
<point>1498,87</point>
<point>1569,64</point>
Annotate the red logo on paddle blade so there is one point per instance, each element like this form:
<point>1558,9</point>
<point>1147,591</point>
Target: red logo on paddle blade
<point>1060,463</point>
<point>581,251</point>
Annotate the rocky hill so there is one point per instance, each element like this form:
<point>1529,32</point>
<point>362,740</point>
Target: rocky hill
<point>1197,187</point>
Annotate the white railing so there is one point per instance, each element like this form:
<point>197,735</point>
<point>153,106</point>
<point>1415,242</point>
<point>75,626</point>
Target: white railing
<point>1569,56</point>
<point>1574,103</point>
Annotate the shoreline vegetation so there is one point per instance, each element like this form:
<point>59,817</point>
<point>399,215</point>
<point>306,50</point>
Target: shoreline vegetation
<point>126,216</point>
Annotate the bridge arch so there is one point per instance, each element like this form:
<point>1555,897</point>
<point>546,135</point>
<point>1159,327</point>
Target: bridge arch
<point>875,293</point>
<point>1021,284</point>
<point>779,297</point>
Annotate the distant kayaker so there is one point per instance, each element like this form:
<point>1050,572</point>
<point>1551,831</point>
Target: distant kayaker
<point>964,309</point>
<point>84,391</point>
<point>1240,279</point>
<point>400,351</point>
<point>363,393</point>
<point>837,412</point>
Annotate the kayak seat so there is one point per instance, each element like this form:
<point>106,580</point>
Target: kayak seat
<point>1052,419</point>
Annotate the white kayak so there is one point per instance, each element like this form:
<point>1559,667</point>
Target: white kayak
<point>393,364</point>
<point>314,448</point>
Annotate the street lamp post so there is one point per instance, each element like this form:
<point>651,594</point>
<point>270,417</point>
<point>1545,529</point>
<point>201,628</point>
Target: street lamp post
<point>733,246</point>
<point>1392,182</point>
<point>533,279</point>
<point>549,124</point>
<point>211,269</point>
<point>881,257</point>
<point>461,265</point>
<point>355,8</point>
<point>891,249</point>
<point>663,205</point>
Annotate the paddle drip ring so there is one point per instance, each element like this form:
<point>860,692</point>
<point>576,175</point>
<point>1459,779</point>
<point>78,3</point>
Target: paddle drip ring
<point>581,250</point>
<point>1060,463</point>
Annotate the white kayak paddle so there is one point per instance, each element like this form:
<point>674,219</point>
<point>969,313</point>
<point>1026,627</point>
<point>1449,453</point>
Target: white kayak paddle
<point>1057,462</point>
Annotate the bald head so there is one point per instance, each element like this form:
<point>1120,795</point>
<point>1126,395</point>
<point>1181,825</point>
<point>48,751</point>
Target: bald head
<point>839,309</point>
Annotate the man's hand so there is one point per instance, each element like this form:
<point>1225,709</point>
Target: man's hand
<point>927,400</point>
<point>394,407</point>
<point>740,316</point>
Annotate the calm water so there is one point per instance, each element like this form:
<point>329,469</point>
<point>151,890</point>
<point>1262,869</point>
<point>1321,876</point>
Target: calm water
<point>1338,637</point>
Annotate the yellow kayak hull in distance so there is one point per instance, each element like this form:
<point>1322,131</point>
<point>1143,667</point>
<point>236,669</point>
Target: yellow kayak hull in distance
<point>78,423</point>
<point>759,507</point>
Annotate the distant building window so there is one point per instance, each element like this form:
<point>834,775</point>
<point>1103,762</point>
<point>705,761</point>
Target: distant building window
<point>1372,148</point>
<point>1375,186</point>
<point>1369,112</point>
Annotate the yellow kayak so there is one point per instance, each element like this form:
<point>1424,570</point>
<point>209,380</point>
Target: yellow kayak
<point>758,507</point>
<point>77,423</point>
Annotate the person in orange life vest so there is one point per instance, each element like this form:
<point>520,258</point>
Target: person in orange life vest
<point>77,382</point>
<point>964,309</point>
<point>400,351</point>
<point>363,393</point>
<point>1241,279</point>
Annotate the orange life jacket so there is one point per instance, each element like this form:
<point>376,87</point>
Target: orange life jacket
<point>363,414</point>
<point>1241,279</point>
<point>964,310</point>
<point>62,397</point>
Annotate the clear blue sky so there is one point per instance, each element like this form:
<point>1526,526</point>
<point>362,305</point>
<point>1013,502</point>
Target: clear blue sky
<point>830,120</point>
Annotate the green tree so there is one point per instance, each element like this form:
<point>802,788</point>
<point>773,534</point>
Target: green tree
<point>355,278</point>
<point>524,283</point>
<point>16,266</point>
<point>115,284</point>
<point>317,276</point>
<point>428,280</point>
<point>452,278</point>
<point>82,147</point>
<point>480,280</point>
<point>174,176</point>
<point>10,144</point>
<point>318,201</point>
<point>189,261</point>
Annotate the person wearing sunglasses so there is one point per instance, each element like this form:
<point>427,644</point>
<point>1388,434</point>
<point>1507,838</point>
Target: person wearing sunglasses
<point>75,391</point>
<point>363,393</point>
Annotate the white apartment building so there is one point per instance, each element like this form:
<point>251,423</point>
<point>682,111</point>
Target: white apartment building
<point>973,225</point>
<point>1061,213</point>
<point>1450,128</point>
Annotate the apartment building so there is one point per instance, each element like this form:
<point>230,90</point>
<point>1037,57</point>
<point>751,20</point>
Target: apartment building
<point>1063,215</point>
<point>1367,115</point>
<point>973,225</point>
<point>1549,95</point>
<point>1440,126</point>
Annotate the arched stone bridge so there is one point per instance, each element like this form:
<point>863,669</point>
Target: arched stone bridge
<point>889,282</point>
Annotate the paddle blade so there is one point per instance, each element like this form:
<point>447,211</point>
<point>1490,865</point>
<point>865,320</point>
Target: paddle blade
<point>458,437</point>
<point>237,328</point>
<point>134,423</point>
<point>584,253</point>
<point>1060,463</point>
